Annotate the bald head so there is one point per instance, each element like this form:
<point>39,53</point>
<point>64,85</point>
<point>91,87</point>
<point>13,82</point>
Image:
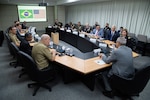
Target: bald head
<point>45,39</point>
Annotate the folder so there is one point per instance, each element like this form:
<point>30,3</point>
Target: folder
<point>55,38</point>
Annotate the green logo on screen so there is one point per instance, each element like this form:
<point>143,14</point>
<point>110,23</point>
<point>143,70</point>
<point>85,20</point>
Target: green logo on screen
<point>26,13</point>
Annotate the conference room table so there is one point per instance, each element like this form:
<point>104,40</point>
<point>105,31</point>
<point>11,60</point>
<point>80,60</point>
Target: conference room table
<point>75,67</point>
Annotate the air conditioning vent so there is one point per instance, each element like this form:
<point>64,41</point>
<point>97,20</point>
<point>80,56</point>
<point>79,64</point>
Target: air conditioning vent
<point>43,4</point>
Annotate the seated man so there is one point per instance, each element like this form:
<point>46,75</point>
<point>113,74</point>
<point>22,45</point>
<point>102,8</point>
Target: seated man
<point>41,53</point>
<point>19,32</point>
<point>107,30</point>
<point>24,45</point>
<point>113,34</point>
<point>96,24</point>
<point>107,27</point>
<point>122,64</point>
<point>120,30</point>
<point>13,37</point>
<point>98,32</point>
<point>24,26</point>
<point>67,26</point>
<point>79,27</point>
<point>87,28</point>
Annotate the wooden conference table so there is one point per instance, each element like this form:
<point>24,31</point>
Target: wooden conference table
<point>84,69</point>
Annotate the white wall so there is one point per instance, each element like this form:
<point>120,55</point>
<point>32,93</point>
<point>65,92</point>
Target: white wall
<point>61,14</point>
<point>131,14</point>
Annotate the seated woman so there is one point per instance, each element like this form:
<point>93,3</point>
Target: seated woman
<point>131,42</point>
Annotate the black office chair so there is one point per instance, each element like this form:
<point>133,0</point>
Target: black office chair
<point>133,86</point>
<point>1,37</point>
<point>132,43</point>
<point>15,50</point>
<point>141,45</point>
<point>8,44</point>
<point>40,77</point>
<point>131,34</point>
<point>147,49</point>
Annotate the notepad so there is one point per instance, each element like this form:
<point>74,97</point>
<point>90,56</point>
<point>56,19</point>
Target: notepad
<point>93,40</point>
<point>100,62</point>
<point>68,31</point>
<point>82,35</point>
<point>62,29</point>
<point>75,32</point>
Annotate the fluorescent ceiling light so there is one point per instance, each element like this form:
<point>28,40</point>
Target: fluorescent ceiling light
<point>69,1</point>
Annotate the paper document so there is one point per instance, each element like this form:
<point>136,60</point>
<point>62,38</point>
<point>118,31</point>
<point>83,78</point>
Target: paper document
<point>100,62</point>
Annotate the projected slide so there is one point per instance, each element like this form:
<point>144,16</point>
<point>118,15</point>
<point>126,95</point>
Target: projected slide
<point>32,13</point>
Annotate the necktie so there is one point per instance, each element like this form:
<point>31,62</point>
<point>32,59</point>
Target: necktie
<point>96,34</point>
<point>111,35</point>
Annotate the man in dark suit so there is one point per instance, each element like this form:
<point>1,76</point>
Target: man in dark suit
<point>113,34</point>
<point>107,30</point>
<point>24,45</point>
<point>87,28</point>
<point>122,64</point>
<point>107,27</point>
<point>24,26</point>
<point>121,29</point>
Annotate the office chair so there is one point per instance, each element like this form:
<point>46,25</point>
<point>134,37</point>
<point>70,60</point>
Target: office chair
<point>15,50</point>
<point>147,49</point>
<point>13,63</point>
<point>132,42</point>
<point>141,45</point>
<point>131,34</point>
<point>40,77</point>
<point>1,37</point>
<point>133,86</point>
<point>8,44</point>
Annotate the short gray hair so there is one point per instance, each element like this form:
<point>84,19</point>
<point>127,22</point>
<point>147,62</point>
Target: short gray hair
<point>121,40</point>
<point>44,36</point>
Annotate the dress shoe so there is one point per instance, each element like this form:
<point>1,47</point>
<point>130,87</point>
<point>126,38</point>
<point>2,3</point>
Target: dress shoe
<point>108,94</point>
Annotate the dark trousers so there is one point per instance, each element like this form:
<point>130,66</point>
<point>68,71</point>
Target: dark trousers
<point>106,81</point>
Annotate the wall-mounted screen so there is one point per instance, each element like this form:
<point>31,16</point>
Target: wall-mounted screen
<point>32,13</point>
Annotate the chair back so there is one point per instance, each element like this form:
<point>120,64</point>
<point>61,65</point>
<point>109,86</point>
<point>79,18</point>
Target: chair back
<point>142,38</point>
<point>131,86</point>
<point>141,45</point>
<point>8,44</point>
<point>132,42</point>
<point>1,37</point>
<point>32,70</point>
<point>14,48</point>
<point>131,34</point>
<point>28,64</point>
